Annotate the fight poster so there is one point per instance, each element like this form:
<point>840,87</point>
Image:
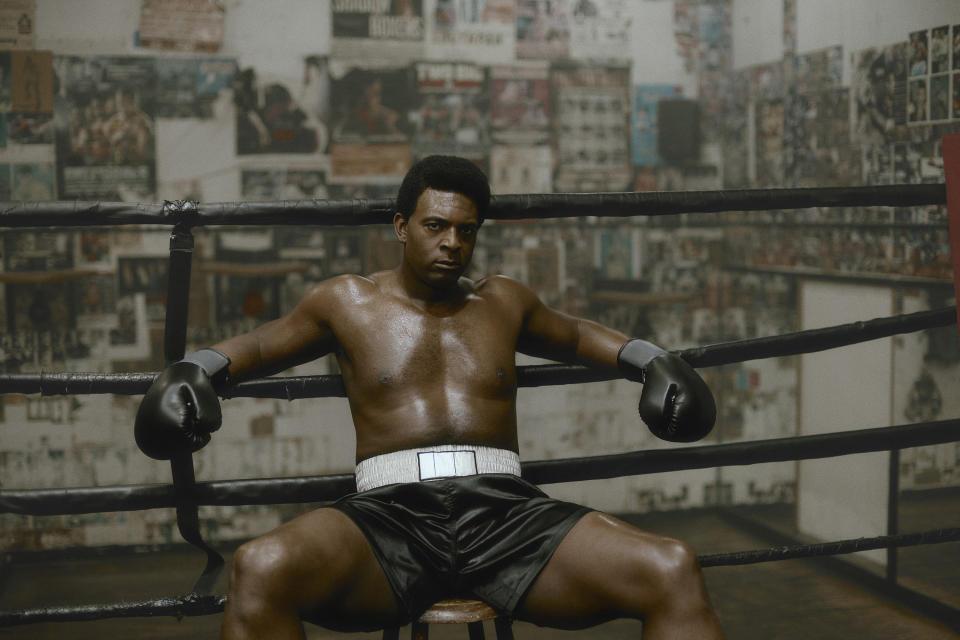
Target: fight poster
<point>282,114</point>
<point>18,24</point>
<point>543,29</point>
<point>520,103</point>
<point>378,29</point>
<point>643,121</point>
<point>591,119</point>
<point>879,93</point>
<point>453,115</point>
<point>371,105</point>
<point>190,87</point>
<point>182,25</point>
<point>27,94</point>
<point>105,134</point>
<point>470,30</point>
<point>600,30</point>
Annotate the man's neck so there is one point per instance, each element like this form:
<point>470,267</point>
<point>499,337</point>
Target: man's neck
<point>426,296</point>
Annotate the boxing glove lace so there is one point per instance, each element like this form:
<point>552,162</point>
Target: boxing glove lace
<point>181,408</point>
<point>676,404</point>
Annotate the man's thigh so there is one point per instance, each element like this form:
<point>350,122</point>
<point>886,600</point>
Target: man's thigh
<point>334,577</point>
<point>603,569</point>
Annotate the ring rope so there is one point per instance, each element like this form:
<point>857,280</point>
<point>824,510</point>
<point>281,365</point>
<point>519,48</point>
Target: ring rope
<point>194,604</point>
<point>503,207</point>
<point>308,489</point>
<point>296,387</point>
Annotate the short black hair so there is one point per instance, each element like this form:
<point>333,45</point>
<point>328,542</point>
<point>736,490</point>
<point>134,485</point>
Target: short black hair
<point>444,173</point>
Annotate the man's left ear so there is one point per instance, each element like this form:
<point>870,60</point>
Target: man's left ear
<point>400,227</point>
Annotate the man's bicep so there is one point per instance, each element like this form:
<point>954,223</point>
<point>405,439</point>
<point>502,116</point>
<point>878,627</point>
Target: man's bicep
<point>301,335</point>
<point>548,333</point>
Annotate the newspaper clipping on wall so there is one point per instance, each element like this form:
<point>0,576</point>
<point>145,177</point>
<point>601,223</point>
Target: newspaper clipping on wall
<point>592,129</point>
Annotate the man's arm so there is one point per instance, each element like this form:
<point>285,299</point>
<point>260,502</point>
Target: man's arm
<point>181,408</point>
<point>675,402</point>
<point>301,335</point>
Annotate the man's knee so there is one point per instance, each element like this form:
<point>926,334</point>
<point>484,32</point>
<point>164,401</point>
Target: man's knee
<point>676,573</point>
<point>262,564</point>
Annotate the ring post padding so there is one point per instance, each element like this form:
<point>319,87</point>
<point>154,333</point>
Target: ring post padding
<point>951,170</point>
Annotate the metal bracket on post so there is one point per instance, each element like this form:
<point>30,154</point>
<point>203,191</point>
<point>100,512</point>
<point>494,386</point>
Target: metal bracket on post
<point>174,347</point>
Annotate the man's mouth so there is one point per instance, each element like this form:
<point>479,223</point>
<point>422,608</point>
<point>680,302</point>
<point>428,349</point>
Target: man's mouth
<point>447,264</point>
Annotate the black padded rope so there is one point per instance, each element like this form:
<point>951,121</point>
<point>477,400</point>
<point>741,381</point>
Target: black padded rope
<point>504,207</point>
<point>331,487</point>
<point>188,605</point>
<point>836,547</point>
<point>295,387</point>
<point>194,605</point>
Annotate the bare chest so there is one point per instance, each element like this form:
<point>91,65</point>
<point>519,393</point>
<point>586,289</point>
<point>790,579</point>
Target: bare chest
<point>399,346</point>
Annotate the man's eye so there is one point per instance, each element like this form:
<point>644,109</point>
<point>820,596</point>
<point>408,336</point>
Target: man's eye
<point>433,226</point>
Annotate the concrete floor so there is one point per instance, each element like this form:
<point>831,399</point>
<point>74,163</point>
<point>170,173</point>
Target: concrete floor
<point>782,600</point>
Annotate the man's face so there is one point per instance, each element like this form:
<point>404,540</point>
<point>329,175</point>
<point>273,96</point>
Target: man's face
<point>439,237</point>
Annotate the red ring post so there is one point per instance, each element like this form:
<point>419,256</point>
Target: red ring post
<point>951,170</point>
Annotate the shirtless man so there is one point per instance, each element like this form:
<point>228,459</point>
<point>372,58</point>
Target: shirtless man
<point>427,358</point>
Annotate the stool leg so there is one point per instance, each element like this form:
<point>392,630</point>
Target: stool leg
<point>419,630</point>
<point>475,629</point>
<point>391,633</point>
<point>504,627</point>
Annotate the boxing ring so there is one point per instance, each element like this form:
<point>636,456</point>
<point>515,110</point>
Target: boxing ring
<point>186,494</point>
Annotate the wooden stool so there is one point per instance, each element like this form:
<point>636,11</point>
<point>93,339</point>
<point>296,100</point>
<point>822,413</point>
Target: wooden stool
<point>470,612</point>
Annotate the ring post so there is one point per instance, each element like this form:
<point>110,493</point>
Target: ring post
<point>951,170</point>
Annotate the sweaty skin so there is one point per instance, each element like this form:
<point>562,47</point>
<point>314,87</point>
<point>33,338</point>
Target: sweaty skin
<point>427,355</point>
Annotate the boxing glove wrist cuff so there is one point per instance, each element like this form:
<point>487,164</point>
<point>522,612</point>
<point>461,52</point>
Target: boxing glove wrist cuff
<point>634,356</point>
<point>214,363</point>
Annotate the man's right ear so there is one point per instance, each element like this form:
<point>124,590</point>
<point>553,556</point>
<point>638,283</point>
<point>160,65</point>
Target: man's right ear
<point>400,227</point>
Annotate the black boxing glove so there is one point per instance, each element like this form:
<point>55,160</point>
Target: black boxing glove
<point>676,403</point>
<point>181,408</point>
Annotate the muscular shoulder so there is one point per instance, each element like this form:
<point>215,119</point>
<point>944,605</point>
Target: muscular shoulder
<point>335,292</point>
<point>507,289</point>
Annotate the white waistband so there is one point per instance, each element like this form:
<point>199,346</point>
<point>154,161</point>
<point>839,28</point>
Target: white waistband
<point>428,463</point>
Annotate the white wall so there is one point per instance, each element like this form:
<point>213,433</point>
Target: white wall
<point>843,390</point>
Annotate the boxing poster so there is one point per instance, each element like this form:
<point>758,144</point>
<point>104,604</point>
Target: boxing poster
<point>470,30</point>
<point>879,94</point>
<point>182,25</point>
<point>280,114</point>
<point>600,30</point>
<point>822,155</point>
<point>520,103</point>
<point>591,111</point>
<point>380,29</point>
<point>371,105</point>
<point>543,29</point>
<point>105,132</point>
<point>18,24</point>
<point>190,87</point>
<point>452,115</point>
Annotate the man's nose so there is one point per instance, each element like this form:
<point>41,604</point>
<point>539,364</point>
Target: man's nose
<point>450,239</point>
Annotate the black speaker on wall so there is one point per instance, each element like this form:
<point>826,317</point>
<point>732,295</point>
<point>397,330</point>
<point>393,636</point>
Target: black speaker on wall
<point>678,138</point>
